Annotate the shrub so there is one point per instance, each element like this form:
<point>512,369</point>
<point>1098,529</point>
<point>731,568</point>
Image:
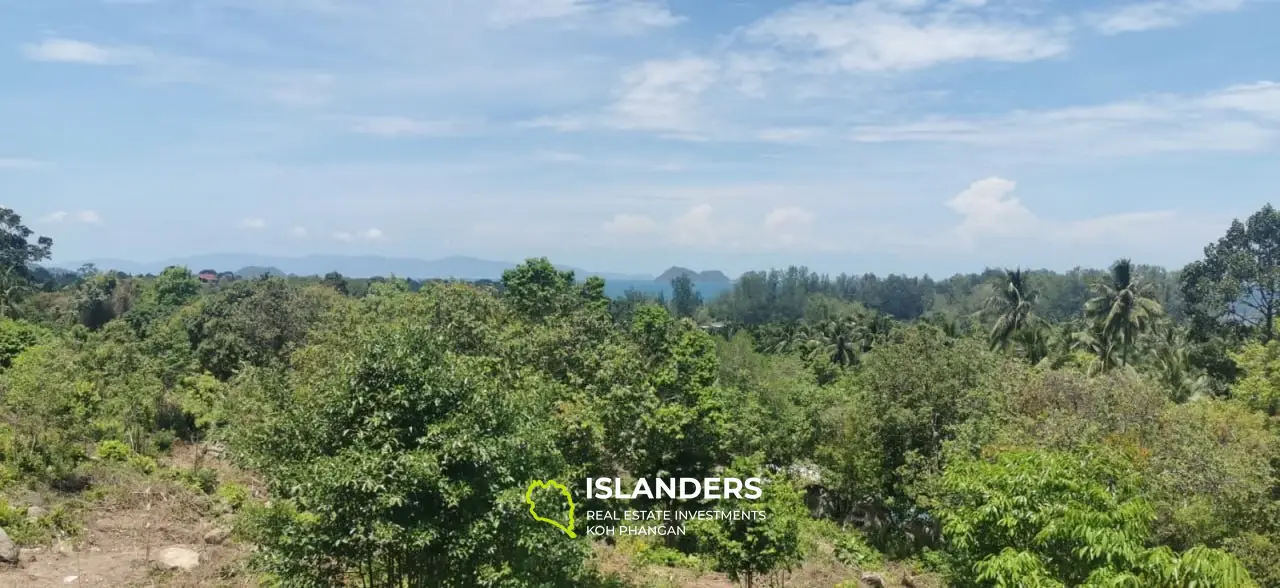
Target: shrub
<point>113,450</point>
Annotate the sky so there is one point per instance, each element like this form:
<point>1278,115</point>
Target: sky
<point>909,136</point>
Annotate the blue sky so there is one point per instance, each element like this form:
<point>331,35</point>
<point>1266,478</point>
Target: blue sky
<point>629,135</point>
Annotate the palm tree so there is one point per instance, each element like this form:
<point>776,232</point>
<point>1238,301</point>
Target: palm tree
<point>1014,307</point>
<point>1123,308</point>
<point>1173,367</point>
<point>1101,346</point>
<point>839,340</point>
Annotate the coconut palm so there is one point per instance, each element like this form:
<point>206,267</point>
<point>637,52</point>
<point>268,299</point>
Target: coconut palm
<point>1123,308</point>
<point>1014,307</point>
<point>839,340</point>
<point>1100,345</point>
<point>1173,368</point>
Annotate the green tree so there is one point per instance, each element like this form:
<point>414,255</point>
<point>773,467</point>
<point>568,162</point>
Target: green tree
<point>685,298</point>
<point>1037,518</point>
<point>175,286</point>
<point>399,460</point>
<point>1013,306</point>
<point>1123,308</point>
<point>536,289</point>
<point>748,550</point>
<point>1238,281</point>
<point>18,259</point>
<point>337,282</point>
<point>840,341</point>
<point>1260,385</point>
<point>1173,366</point>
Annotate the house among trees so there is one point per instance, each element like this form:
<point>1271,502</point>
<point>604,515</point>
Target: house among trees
<point>208,276</point>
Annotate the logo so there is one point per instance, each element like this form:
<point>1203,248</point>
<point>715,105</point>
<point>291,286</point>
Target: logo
<point>552,485</point>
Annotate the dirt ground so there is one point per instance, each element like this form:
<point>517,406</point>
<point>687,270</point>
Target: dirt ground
<point>136,519</point>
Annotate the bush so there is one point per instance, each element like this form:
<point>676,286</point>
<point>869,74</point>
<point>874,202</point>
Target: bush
<point>233,494</point>
<point>748,549</point>
<point>113,450</point>
<point>852,549</point>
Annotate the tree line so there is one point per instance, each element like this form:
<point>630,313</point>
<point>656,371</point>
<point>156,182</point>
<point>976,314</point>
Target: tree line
<point>1013,427</point>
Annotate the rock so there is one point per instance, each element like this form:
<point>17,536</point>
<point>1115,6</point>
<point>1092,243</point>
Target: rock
<point>9,552</point>
<point>35,512</point>
<point>178,558</point>
<point>873,580</point>
<point>70,579</point>
<point>217,536</point>
<point>909,581</point>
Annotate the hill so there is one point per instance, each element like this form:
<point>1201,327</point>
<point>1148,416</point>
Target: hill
<point>368,266</point>
<point>709,276</point>
<point>254,272</point>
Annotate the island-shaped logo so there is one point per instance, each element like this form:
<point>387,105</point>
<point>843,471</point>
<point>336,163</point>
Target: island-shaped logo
<point>564,491</point>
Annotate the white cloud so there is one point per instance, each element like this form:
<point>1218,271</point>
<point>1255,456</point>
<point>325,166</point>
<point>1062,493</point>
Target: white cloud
<point>1159,14</point>
<point>989,210</point>
<point>630,224</point>
<point>298,232</point>
<point>789,225</point>
<point>663,95</point>
<point>87,217</point>
<point>1136,225</point>
<point>73,51</point>
<point>21,163</point>
<point>658,95</point>
<point>397,126</point>
<point>253,224</point>
<point>988,207</point>
<point>900,35</point>
<point>365,235</point>
<point>622,16</point>
<point>1238,118</point>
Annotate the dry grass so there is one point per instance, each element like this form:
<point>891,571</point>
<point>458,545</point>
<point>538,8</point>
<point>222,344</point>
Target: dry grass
<point>127,518</point>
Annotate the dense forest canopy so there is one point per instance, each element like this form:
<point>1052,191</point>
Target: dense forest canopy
<point>1116,427</point>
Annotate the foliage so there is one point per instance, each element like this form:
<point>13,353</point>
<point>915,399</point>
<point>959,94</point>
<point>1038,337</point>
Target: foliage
<point>748,549</point>
<point>1260,386</point>
<point>1039,518</point>
<point>911,395</point>
<point>15,337</point>
<point>1237,284</point>
<point>405,462</point>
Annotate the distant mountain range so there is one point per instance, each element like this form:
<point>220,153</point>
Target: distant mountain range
<point>457,267</point>
<point>709,276</point>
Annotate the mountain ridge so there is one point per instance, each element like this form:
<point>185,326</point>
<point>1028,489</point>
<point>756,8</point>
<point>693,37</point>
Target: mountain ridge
<point>352,266</point>
<point>706,276</point>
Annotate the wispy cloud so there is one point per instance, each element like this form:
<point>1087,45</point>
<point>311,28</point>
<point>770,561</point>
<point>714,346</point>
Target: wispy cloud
<point>990,211</point>
<point>365,235</point>
<point>399,126</point>
<point>252,224</point>
<point>88,217</point>
<point>658,95</point>
<point>298,232</point>
<point>1239,118</point>
<point>618,16</point>
<point>1159,14</point>
<point>21,163</point>
<point>900,35</point>
<point>73,51</point>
